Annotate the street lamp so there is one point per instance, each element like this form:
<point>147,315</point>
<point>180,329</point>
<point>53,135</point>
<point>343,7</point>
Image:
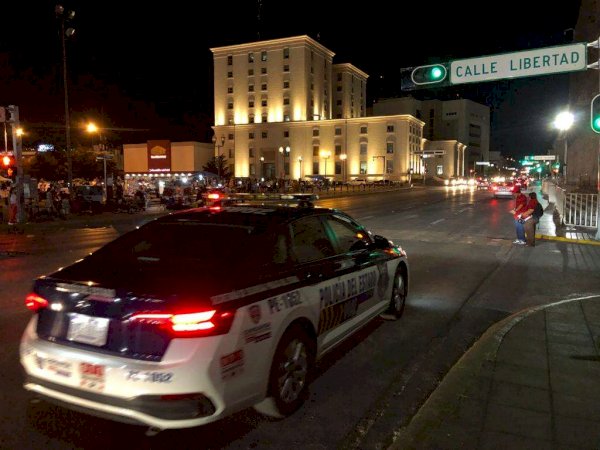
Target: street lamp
<point>284,152</point>
<point>325,154</point>
<point>262,168</point>
<point>300,163</point>
<point>66,32</point>
<point>218,153</point>
<point>563,122</point>
<point>343,158</point>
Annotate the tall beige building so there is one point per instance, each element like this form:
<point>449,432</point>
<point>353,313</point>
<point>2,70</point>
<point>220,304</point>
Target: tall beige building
<point>283,110</point>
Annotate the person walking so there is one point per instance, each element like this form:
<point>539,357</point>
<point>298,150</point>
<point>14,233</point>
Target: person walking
<point>530,218</point>
<point>520,204</point>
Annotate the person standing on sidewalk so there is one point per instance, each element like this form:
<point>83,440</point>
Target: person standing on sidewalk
<point>520,204</point>
<point>530,219</point>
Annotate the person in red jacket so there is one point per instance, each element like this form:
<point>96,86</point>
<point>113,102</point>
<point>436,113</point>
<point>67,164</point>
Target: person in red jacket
<point>520,204</point>
<point>530,220</point>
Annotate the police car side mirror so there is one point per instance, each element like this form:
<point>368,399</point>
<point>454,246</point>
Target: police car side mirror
<point>381,243</point>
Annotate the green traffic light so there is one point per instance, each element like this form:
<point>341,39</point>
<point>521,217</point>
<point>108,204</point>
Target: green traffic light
<point>436,73</point>
<point>596,124</point>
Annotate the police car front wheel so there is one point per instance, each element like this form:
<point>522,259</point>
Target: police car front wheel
<point>399,294</point>
<point>288,381</point>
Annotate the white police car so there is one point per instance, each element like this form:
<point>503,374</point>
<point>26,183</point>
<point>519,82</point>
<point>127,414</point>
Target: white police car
<point>204,312</point>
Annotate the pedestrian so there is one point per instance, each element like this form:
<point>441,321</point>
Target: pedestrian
<point>520,204</point>
<point>530,219</point>
<point>12,206</point>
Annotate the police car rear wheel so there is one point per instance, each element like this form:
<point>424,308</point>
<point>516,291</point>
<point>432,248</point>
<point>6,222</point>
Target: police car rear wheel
<point>399,293</point>
<point>288,381</point>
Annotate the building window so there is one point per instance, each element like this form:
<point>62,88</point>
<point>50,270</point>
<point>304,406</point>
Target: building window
<point>338,167</point>
<point>250,118</point>
<point>230,90</point>
<point>338,149</point>
<point>286,68</point>
<point>286,53</point>
<point>250,72</point>
<point>312,102</point>
<point>315,167</point>
<point>389,166</point>
<point>439,170</point>
<point>286,101</point>
<point>339,89</point>
<point>263,87</point>
<point>390,148</point>
<point>229,74</point>
<point>363,148</point>
<point>363,167</point>
<point>229,105</point>
<point>250,57</point>
<point>286,84</point>
<point>263,70</point>
<point>251,135</point>
<point>251,88</point>
<point>251,104</point>
<point>338,131</point>
<point>338,116</point>
<point>390,128</point>
<point>315,150</point>
<point>251,152</point>
<point>263,102</point>
<point>230,136</point>
<point>338,102</point>
<point>263,55</point>
<point>264,117</point>
<point>230,121</point>
<point>252,169</point>
<point>312,69</point>
<point>229,60</point>
<point>363,130</point>
<point>286,117</point>
<point>339,77</point>
<point>286,133</point>
<point>315,132</point>
<point>264,135</point>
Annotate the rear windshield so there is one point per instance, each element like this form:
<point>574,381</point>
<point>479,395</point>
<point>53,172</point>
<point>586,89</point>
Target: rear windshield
<point>204,243</point>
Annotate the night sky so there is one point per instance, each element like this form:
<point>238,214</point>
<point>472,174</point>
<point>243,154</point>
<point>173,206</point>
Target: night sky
<point>144,69</point>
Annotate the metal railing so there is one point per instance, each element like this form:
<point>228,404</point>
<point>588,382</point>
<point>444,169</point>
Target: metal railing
<point>573,208</point>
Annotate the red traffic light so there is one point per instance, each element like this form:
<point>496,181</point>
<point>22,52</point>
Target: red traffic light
<point>6,161</point>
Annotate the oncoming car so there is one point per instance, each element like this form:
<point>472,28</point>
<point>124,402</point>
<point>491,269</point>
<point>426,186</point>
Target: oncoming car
<point>201,313</point>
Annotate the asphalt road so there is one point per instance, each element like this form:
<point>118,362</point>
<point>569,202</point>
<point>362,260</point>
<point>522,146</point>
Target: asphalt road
<point>465,276</point>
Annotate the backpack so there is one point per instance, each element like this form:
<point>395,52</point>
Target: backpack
<point>538,211</point>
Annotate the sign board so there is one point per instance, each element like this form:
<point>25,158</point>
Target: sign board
<point>544,157</point>
<point>482,163</point>
<point>528,63</point>
<point>430,152</point>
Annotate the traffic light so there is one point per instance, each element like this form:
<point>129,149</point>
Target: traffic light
<point>6,161</point>
<point>595,114</point>
<point>433,73</point>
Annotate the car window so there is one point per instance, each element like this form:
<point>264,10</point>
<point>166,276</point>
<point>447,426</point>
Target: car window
<point>309,241</point>
<point>348,235</point>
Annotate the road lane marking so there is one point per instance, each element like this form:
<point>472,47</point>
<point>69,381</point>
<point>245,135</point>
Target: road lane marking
<point>437,221</point>
<point>365,218</point>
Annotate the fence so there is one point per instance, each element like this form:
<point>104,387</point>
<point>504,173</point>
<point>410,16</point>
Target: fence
<point>574,209</point>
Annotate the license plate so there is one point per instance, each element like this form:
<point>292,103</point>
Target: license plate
<point>87,329</point>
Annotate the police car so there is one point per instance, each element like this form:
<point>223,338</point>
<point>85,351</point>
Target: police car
<point>203,312</point>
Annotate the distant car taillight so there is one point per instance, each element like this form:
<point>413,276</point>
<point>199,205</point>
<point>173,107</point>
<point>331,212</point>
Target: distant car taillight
<point>214,196</point>
<point>194,324</point>
<point>34,302</point>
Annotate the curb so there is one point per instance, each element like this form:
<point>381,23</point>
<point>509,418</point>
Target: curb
<point>564,239</point>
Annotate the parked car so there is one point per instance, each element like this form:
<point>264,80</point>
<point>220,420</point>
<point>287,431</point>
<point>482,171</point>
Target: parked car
<point>359,181</point>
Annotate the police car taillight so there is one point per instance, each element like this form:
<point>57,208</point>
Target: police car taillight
<point>202,323</point>
<point>34,302</point>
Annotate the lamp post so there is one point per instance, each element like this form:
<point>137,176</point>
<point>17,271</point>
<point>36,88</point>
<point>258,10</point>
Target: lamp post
<point>383,158</point>
<point>92,128</point>
<point>301,165</point>
<point>66,32</point>
<point>284,152</point>
<point>262,168</point>
<point>343,158</point>
<point>218,153</point>
<point>563,122</point>
<point>325,154</point>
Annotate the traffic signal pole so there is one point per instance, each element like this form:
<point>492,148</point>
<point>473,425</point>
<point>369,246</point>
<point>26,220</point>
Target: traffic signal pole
<point>18,155</point>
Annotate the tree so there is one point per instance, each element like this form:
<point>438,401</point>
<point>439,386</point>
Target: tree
<point>218,166</point>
